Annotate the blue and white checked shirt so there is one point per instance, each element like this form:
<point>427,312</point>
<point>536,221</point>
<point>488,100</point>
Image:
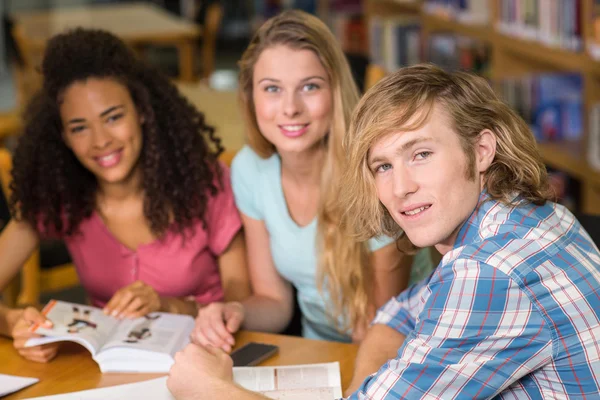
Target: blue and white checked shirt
<point>511,312</point>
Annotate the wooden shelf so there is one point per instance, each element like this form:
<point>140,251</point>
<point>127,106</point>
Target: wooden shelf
<point>435,23</point>
<point>570,157</point>
<point>393,7</point>
<point>539,53</point>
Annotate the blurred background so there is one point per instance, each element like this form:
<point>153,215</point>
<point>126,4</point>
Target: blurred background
<point>541,56</point>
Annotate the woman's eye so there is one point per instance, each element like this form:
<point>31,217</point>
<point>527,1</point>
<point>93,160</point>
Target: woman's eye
<point>271,89</point>
<point>311,86</point>
<point>115,117</point>
<point>77,129</point>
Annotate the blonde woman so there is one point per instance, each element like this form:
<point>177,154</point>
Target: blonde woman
<point>297,94</point>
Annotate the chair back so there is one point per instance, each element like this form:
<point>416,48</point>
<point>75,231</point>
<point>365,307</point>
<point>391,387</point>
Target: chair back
<point>210,29</point>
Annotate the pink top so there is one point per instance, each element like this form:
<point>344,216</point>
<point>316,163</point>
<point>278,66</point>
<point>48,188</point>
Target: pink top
<point>171,265</point>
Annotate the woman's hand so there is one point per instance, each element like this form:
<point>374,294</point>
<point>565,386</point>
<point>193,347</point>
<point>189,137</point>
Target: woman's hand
<point>133,301</point>
<point>216,323</point>
<point>21,334</point>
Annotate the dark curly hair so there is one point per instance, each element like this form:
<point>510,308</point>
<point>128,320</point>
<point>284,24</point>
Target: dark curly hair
<point>179,159</point>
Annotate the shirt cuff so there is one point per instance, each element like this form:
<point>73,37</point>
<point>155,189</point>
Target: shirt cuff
<point>396,316</point>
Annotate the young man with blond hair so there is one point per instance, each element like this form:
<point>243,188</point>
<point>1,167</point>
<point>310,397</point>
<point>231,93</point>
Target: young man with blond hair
<point>513,309</point>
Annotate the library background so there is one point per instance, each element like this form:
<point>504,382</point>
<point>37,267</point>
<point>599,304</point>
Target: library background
<point>542,57</point>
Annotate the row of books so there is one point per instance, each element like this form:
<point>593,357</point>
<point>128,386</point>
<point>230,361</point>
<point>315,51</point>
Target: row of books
<point>455,52</point>
<point>464,11</point>
<point>555,23</point>
<point>395,42</point>
<point>552,104</point>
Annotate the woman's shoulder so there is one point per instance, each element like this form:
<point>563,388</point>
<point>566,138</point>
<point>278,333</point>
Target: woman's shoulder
<point>248,162</point>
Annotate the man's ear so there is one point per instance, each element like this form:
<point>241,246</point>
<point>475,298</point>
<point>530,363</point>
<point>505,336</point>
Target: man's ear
<point>485,150</point>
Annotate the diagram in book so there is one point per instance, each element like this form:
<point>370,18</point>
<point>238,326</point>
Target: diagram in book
<point>142,330</point>
<point>81,320</point>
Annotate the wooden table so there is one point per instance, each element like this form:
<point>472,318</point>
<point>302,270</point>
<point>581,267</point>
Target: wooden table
<point>73,369</point>
<point>135,23</point>
<point>222,111</point>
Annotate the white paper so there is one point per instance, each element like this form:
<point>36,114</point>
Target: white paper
<point>293,382</point>
<point>154,389</point>
<point>10,383</point>
<point>310,381</point>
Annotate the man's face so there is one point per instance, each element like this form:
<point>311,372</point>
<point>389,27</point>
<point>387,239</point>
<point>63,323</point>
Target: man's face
<point>421,178</point>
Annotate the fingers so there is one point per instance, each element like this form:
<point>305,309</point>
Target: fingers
<point>133,301</point>
<point>33,316</point>
<point>41,354</point>
<point>234,322</point>
<point>210,328</point>
<point>119,302</point>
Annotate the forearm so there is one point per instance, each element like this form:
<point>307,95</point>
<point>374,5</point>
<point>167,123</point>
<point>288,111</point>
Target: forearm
<point>379,345</point>
<point>265,314</point>
<point>8,319</point>
<point>177,305</point>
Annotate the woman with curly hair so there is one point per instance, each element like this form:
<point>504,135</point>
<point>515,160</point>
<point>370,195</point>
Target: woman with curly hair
<point>119,165</point>
<point>298,93</point>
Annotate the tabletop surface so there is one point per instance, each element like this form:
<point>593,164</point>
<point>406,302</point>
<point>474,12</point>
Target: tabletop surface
<point>130,21</point>
<point>73,369</point>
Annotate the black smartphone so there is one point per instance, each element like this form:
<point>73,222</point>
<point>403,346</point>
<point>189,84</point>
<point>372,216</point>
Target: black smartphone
<point>253,353</point>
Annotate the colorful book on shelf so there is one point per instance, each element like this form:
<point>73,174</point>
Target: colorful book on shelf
<point>473,12</point>
<point>455,52</point>
<point>146,344</point>
<point>553,23</point>
<point>552,104</point>
<point>395,42</point>
<point>594,137</point>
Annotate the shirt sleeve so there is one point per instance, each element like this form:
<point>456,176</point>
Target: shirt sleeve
<point>244,179</point>
<point>400,313</point>
<point>222,219</point>
<point>477,334</point>
<point>379,242</point>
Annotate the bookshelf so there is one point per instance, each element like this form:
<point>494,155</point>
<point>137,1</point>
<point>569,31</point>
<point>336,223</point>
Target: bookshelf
<point>513,56</point>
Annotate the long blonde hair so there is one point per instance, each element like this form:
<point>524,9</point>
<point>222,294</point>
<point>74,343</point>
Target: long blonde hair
<point>403,102</point>
<point>343,263</point>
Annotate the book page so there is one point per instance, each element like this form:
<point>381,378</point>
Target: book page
<point>10,383</point>
<point>83,324</point>
<point>314,381</point>
<point>154,389</point>
<point>157,332</point>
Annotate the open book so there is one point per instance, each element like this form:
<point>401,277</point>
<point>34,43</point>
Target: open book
<point>146,344</point>
<point>295,382</point>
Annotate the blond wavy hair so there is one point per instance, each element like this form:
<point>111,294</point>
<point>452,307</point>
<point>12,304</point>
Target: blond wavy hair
<point>343,263</point>
<point>403,101</point>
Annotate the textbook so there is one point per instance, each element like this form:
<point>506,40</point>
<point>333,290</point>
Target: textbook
<point>294,382</point>
<point>146,344</point>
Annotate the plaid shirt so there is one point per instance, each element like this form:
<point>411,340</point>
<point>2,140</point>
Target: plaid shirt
<point>511,312</point>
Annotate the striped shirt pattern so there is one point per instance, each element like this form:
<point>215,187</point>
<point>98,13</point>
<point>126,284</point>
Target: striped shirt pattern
<point>511,312</point>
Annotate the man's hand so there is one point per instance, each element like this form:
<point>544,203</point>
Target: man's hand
<point>133,301</point>
<point>21,334</point>
<point>200,373</point>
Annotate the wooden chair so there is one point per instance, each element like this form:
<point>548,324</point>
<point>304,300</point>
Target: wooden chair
<point>10,125</point>
<point>210,29</point>
<point>49,269</point>
<point>28,79</point>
